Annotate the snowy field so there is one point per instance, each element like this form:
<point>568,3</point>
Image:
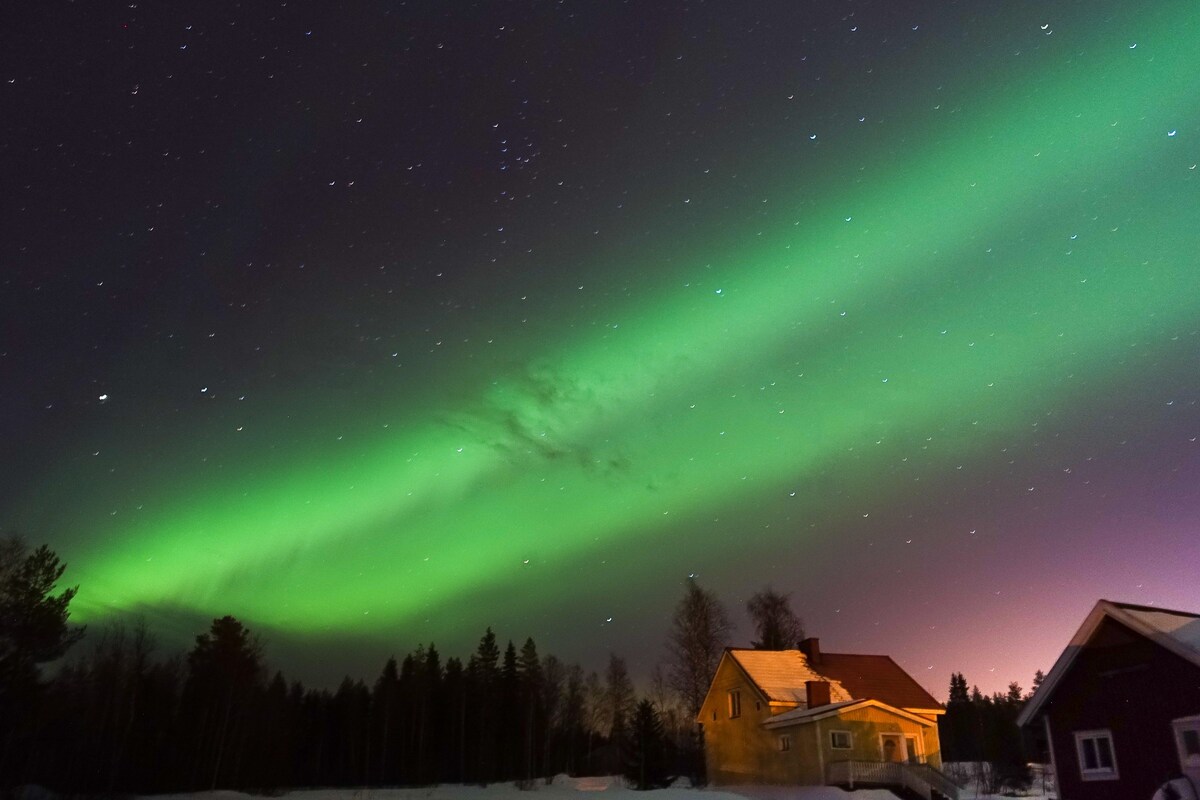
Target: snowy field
<point>565,788</point>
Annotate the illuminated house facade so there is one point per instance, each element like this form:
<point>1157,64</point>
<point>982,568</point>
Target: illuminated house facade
<point>1120,709</point>
<point>803,717</point>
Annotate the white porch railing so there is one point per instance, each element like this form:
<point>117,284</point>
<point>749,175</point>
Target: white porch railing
<point>919,778</point>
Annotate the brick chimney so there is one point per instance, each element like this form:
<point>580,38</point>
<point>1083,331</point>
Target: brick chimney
<point>811,647</point>
<point>818,693</point>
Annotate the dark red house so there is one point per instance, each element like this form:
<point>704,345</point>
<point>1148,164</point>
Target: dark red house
<point>1120,709</point>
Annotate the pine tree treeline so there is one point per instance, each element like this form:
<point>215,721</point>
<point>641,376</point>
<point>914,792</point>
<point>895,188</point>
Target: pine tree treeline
<point>120,720</point>
<point>980,729</point>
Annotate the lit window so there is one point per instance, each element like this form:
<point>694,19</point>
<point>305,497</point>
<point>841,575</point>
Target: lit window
<point>785,742</point>
<point>735,704</point>
<point>1097,758</point>
<point>840,740</point>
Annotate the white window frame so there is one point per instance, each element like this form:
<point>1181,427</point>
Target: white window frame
<point>785,743</point>
<point>1100,773</point>
<point>1189,767</point>
<point>735,703</point>
<point>849,740</point>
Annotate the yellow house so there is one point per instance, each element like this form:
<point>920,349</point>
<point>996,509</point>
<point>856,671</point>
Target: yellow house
<point>803,717</point>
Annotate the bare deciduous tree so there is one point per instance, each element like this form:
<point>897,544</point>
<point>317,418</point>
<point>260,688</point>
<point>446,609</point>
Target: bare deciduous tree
<point>698,635</point>
<point>777,625</point>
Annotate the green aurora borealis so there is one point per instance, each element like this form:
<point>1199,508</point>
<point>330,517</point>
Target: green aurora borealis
<point>887,312</point>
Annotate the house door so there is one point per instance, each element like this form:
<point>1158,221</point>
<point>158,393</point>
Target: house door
<point>893,747</point>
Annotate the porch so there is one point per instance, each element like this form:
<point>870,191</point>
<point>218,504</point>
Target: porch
<point>916,780</point>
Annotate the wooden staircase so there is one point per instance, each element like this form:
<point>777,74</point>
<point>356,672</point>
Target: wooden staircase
<point>910,781</point>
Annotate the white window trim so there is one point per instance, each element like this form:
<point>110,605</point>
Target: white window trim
<point>785,743</point>
<point>1103,773</point>
<point>1179,726</point>
<point>849,736</point>
<point>735,703</point>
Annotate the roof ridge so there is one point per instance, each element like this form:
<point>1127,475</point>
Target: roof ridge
<point>1158,609</point>
<point>1125,615</point>
<point>760,650</point>
<point>732,649</point>
<point>858,655</point>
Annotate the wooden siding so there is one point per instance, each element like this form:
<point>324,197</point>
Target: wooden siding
<point>738,750</point>
<point>1127,684</point>
<point>866,724</point>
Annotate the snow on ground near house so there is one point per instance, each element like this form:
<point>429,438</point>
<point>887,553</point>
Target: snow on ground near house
<point>779,793</point>
<point>611,788</point>
<point>972,776</point>
<point>563,788</point>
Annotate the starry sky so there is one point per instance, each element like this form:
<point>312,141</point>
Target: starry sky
<point>379,323</point>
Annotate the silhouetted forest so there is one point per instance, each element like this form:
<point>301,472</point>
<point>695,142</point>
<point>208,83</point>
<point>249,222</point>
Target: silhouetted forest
<point>977,728</point>
<point>121,720</point>
<point>119,717</point>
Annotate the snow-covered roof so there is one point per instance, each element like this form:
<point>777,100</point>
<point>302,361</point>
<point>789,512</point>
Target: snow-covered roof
<point>801,715</point>
<point>781,674</point>
<point>1183,628</point>
<point>1176,631</point>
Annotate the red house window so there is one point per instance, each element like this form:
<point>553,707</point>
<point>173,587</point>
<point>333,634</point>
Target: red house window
<point>1097,757</point>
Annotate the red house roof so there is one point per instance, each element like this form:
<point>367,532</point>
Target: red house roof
<point>781,675</point>
<point>877,678</point>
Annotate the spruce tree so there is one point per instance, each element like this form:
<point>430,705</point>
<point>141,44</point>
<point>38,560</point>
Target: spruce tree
<point>645,763</point>
<point>958,688</point>
<point>1039,678</point>
<point>484,675</point>
<point>224,669</point>
<point>529,681</point>
<point>509,729</point>
<point>384,712</point>
<point>454,753</point>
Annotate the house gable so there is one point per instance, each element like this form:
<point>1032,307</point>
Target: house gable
<point>1176,631</point>
<point>1117,689</point>
<point>738,748</point>
<point>729,675</point>
<point>806,715</point>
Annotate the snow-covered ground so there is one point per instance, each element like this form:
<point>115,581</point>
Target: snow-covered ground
<point>972,776</point>
<point>565,788</point>
<point>562,788</point>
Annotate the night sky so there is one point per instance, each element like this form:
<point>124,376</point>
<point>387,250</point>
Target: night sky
<point>379,323</point>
